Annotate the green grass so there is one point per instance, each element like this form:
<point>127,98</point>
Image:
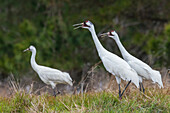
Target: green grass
<point>155,100</point>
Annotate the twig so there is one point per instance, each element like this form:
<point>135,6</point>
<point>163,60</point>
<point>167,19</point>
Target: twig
<point>65,105</point>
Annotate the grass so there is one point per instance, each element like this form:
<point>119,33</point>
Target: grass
<point>155,100</point>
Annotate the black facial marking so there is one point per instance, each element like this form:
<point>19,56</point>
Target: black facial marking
<point>85,24</point>
<point>110,33</point>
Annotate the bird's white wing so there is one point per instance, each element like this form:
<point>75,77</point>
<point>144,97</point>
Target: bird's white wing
<point>120,68</point>
<point>146,71</point>
<point>108,65</point>
<point>141,68</point>
<point>54,75</point>
<point>157,78</point>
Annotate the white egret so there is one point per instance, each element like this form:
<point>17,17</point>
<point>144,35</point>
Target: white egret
<point>113,64</point>
<point>142,69</point>
<point>49,75</point>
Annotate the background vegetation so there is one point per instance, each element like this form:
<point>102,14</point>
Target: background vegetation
<point>144,29</point>
<point>143,26</point>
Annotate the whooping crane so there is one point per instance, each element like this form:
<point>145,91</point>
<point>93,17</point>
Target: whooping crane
<point>49,75</point>
<point>113,64</point>
<point>142,69</point>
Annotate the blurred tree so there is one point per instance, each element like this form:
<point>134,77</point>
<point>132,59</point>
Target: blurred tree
<point>47,24</point>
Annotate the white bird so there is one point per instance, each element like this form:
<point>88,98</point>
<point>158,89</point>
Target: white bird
<point>49,75</point>
<point>113,64</point>
<point>142,69</point>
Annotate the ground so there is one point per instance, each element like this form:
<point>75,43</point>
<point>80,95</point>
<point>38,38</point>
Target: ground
<point>154,100</point>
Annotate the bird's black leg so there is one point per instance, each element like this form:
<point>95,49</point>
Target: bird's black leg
<point>143,88</point>
<point>54,93</point>
<point>140,86</point>
<point>126,87</point>
<point>120,92</point>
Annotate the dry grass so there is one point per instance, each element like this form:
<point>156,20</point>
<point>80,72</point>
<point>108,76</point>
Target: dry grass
<point>89,99</point>
<point>155,100</point>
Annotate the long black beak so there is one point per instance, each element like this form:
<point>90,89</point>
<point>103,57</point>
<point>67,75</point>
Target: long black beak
<point>26,49</point>
<point>80,25</point>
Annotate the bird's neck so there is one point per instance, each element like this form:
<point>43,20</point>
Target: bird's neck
<point>100,48</point>
<point>33,62</point>
<point>123,51</point>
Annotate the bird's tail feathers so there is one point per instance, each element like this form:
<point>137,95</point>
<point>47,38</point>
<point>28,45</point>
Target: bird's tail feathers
<point>156,77</point>
<point>69,80</point>
<point>135,78</point>
<point>140,79</point>
<point>136,82</point>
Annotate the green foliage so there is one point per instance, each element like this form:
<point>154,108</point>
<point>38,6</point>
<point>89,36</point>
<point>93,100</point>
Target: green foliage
<point>47,24</point>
